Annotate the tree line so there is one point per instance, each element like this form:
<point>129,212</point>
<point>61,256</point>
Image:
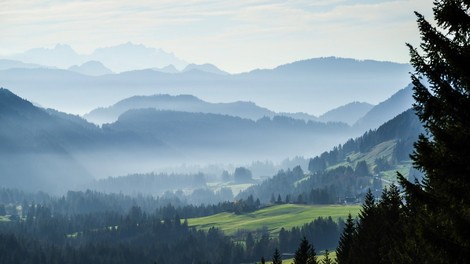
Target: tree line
<point>41,236</point>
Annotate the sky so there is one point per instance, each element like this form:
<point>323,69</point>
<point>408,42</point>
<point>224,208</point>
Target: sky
<point>237,36</point>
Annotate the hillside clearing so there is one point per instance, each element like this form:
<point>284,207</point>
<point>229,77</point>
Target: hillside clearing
<point>273,217</point>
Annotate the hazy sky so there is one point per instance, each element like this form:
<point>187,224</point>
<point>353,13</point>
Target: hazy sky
<point>234,35</point>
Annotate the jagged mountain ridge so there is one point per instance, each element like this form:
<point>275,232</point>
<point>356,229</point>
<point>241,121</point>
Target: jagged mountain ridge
<point>119,58</point>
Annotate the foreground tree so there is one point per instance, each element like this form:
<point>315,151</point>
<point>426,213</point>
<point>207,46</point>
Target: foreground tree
<point>305,254</point>
<point>345,241</point>
<point>263,261</point>
<point>277,257</point>
<point>327,259</point>
<point>440,203</point>
<point>367,236</point>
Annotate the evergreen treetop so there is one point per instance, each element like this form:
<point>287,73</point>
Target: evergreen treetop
<point>345,241</point>
<point>305,254</point>
<point>277,257</point>
<point>441,202</point>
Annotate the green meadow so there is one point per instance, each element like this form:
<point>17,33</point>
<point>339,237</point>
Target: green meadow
<point>273,217</point>
<point>320,258</point>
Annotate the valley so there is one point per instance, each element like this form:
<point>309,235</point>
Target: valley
<point>234,132</point>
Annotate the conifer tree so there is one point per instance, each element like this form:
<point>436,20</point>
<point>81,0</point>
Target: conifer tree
<point>277,257</point>
<point>345,241</point>
<point>263,261</point>
<point>305,254</point>
<point>390,245</point>
<point>366,239</point>
<point>327,259</point>
<point>442,93</point>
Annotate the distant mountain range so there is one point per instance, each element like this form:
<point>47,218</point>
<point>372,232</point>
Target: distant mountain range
<point>310,86</point>
<point>92,68</point>
<point>119,58</point>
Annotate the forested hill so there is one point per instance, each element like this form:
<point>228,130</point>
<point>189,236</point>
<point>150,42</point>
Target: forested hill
<point>345,173</point>
<point>183,103</point>
<point>34,142</point>
<point>55,150</point>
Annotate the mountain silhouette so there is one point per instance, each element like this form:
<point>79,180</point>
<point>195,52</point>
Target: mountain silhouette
<point>60,56</point>
<point>304,86</point>
<point>204,68</point>
<point>12,64</point>
<point>386,110</point>
<point>184,103</point>
<point>348,113</point>
<point>93,68</point>
<point>129,56</point>
<point>119,58</point>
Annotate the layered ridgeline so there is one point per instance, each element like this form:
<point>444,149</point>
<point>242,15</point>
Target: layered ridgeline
<point>345,173</point>
<point>140,140</point>
<point>183,103</point>
<point>313,86</point>
<point>145,139</point>
<point>361,116</point>
<point>349,113</point>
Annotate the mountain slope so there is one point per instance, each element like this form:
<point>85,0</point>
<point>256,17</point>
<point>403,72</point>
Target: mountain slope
<point>93,68</point>
<point>228,137</point>
<point>32,153</point>
<point>52,151</point>
<point>387,109</point>
<point>205,68</point>
<point>184,103</point>
<point>11,64</point>
<point>348,114</point>
<point>349,170</point>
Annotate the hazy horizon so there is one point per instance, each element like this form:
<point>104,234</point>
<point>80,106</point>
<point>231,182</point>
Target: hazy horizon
<point>237,37</point>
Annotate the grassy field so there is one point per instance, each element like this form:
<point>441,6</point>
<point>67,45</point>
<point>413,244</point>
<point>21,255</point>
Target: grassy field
<point>320,257</point>
<point>273,217</point>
